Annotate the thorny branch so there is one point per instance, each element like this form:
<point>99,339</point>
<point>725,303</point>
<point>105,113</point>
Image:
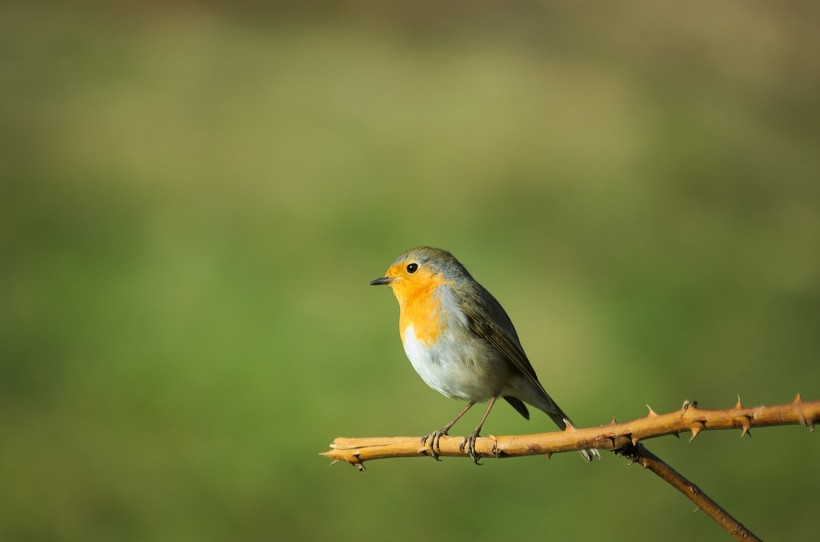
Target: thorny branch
<point>621,438</point>
<point>613,436</point>
<point>639,454</point>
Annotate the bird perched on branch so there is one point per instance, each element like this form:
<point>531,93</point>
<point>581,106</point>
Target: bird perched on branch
<point>462,343</point>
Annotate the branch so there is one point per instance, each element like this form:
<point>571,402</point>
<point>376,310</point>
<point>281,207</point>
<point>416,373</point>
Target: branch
<point>658,466</point>
<point>621,438</point>
<point>614,436</point>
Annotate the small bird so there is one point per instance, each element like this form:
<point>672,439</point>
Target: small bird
<point>462,343</point>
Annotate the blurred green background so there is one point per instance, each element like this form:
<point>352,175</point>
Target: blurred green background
<point>195,196</point>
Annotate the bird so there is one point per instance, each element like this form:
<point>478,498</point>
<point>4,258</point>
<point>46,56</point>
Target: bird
<point>462,343</point>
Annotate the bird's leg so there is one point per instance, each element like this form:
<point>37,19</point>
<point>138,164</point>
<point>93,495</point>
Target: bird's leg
<point>468,446</point>
<point>435,436</point>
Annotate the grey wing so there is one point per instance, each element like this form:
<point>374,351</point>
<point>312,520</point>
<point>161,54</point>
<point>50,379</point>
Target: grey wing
<point>488,320</point>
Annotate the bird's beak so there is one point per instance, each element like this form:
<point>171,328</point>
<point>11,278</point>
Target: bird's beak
<point>382,280</point>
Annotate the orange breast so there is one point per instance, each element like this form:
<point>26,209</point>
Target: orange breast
<point>420,307</point>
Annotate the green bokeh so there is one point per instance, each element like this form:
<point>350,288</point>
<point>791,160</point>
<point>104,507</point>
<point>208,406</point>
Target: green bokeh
<point>195,197</point>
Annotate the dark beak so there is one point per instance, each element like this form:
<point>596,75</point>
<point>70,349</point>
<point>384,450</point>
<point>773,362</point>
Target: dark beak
<point>381,280</point>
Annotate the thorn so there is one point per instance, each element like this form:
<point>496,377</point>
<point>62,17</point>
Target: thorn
<point>334,462</point>
<point>695,430</point>
<point>652,413</point>
<point>549,455</point>
<point>677,434</point>
<point>634,440</point>
<point>803,421</point>
<point>739,405</point>
<point>359,465</point>
<point>614,421</point>
<point>744,423</point>
<point>686,404</point>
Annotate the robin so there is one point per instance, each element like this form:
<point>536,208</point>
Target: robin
<point>462,343</point>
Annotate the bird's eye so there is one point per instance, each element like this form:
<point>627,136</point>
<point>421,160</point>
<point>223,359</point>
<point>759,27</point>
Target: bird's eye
<point>412,267</point>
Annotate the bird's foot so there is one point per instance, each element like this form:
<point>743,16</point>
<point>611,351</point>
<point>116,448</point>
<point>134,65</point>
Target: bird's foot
<point>468,446</point>
<point>431,442</point>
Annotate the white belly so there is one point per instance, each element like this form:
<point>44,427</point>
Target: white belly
<point>455,368</point>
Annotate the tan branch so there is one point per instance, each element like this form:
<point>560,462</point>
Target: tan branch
<point>614,436</point>
<point>659,467</point>
<point>621,438</point>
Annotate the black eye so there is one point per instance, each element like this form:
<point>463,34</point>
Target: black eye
<point>412,267</point>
